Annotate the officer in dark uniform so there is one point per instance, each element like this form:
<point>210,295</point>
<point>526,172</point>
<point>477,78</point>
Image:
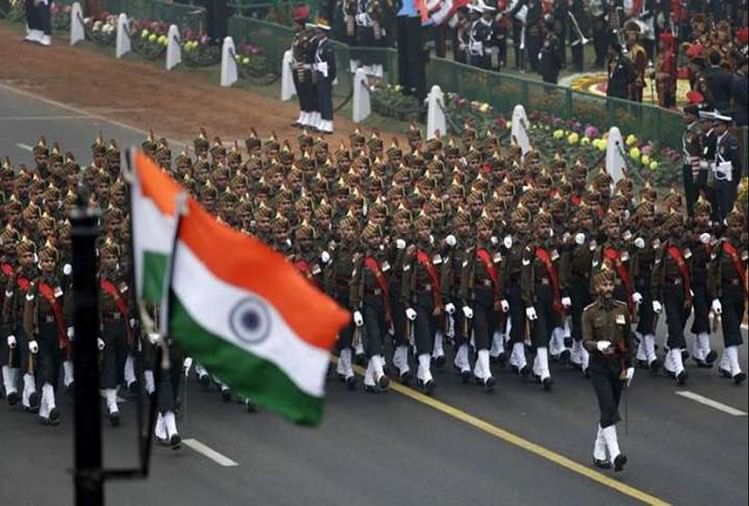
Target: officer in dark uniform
<point>622,73</point>
<point>727,167</point>
<point>481,37</point>
<point>726,285</point>
<point>324,75</point>
<point>608,338</point>
<point>599,13</point>
<point>549,60</point>
<point>301,52</point>
<point>693,172</point>
<point>534,32</point>
<point>576,9</point>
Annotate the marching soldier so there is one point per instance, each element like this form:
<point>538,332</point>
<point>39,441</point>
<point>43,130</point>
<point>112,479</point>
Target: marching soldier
<point>607,337</point>
<point>340,274</point>
<point>646,244</point>
<point>397,257</point>
<point>672,285</point>
<point>726,285</point>
<point>46,327</point>
<point>514,248</point>
<point>370,299</point>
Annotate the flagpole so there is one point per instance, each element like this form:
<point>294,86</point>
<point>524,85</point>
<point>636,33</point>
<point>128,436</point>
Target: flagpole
<point>88,477</point>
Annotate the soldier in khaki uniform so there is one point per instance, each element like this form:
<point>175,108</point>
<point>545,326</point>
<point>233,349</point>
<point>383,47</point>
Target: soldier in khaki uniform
<point>608,338</point>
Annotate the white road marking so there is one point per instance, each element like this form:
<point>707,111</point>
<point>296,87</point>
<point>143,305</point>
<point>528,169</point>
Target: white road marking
<point>25,147</point>
<point>209,452</point>
<point>709,402</point>
<point>43,118</point>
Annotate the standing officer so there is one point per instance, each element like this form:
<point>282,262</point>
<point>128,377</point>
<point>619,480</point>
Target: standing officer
<point>549,59</point>
<point>302,47</point>
<point>621,73</point>
<point>727,167</point>
<point>608,339</point>
<point>599,12</point>
<point>727,287</point>
<point>324,75</point>
<point>693,171</point>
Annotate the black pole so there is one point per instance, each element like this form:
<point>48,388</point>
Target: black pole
<point>88,478</point>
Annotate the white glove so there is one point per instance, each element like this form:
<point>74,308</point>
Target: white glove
<point>705,238</point>
<point>358,319</point>
<point>450,308</point>
<point>580,238</point>
<point>504,305</point>
<point>71,333</point>
<point>630,374</point>
<point>657,306</point>
<point>530,313</point>
<point>703,164</point>
<point>640,242</point>
<point>637,297</point>
<point>154,338</point>
<point>400,244</point>
<point>602,346</point>
<point>467,312</point>
<point>33,347</point>
<point>566,302</point>
<point>100,343</point>
<point>12,342</point>
<point>132,323</point>
<point>67,269</point>
<point>325,257</point>
<point>717,307</point>
<point>187,365</point>
<point>494,240</point>
<point>410,313</point>
<point>507,241</point>
<point>451,241</point>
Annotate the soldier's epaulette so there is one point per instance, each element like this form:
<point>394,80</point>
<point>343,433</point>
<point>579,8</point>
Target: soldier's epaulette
<point>589,306</point>
<point>619,303</point>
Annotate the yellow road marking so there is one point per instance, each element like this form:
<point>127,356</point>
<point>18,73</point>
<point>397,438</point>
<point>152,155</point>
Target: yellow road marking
<point>523,443</point>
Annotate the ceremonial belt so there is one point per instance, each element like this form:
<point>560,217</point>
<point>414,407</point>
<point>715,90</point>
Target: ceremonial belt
<point>426,262</point>
<point>48,293</point>
<point>374,267</point>
<point>303,268</point>
<point>613,256</point>
<point>483,255</point>
<point>119,301</point>
<point>737,264</point>
<point>23,283</point>
<point>545,259</point>
<point>7,269</point>
<point>678,259</point>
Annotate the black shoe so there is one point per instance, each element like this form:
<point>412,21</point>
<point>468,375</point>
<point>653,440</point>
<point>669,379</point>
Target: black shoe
<point>466,376</point>
<point>70,389</point>
<point>114,418</point>
<point>296,124</point>
<point>426,387</point>
<point>226,395</point>
<point>586,373</point>
<point>371,389</point>
<point>619,462</point>
<point>682,378</point>
<point>250,407</point>
<point>525,371</point>
<point>655,365</point>
<point>739,378</point>
<point>12,399</point>
<point>702,364</point>
<point>439,362</point>
<point>684,355</point>
<point>33,403</point>
<point>175,442</point>
<point>54,417</point>
<point>564,357</point>
<point>668,373</point>
<point>490,383</point>
<point>547,383</point>
<point>642,364</point>
<point>502,359</point>
<point>568,342</point>
<point>725,372</point>
<point>405,378</point>
<point>711,357</point>
<point>351,382</point>
<point>383,382</point>
<point>602,464</point>
<point>133,388</point>
<point>342,378</point>
<point>204,381</point>
<point>386,369</point>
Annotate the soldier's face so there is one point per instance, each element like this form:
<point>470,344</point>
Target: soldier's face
<point>702,219</point>
<point>47,264</point>
<point>483,233</point>
<point>108,261</point>
<point>605,289</point>
<point>374,241</point>
<point>26,259</point>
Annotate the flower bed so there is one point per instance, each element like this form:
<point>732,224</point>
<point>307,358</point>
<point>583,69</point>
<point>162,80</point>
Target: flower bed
<point>102,29</point>
<point>388,100</point>
<point>149,38</point>
<point>16,12</point>
<point>253,65</point>
<point>481,116</point>
<point>60,16</point>
<point>196,50</point>
<point>574,140</point>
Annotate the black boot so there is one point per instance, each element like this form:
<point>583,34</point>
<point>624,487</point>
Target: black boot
<point>603,464</point>
<point>619,462</point>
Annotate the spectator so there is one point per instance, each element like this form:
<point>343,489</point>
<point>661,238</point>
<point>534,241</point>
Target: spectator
<point>739,94</point>
<point>719,83</point>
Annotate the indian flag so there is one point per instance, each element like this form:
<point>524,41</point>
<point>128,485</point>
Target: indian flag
<point>237,307</point>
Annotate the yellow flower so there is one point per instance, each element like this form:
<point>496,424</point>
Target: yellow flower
<point>631,139</point>
<point>653,165</point>
<point>645,160</point>
<point>585,141</point>
<point>573,138</point>
<point>558,134</point>
<point>484,107</point>
<point>603,145</point>
<point>634,153</point>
